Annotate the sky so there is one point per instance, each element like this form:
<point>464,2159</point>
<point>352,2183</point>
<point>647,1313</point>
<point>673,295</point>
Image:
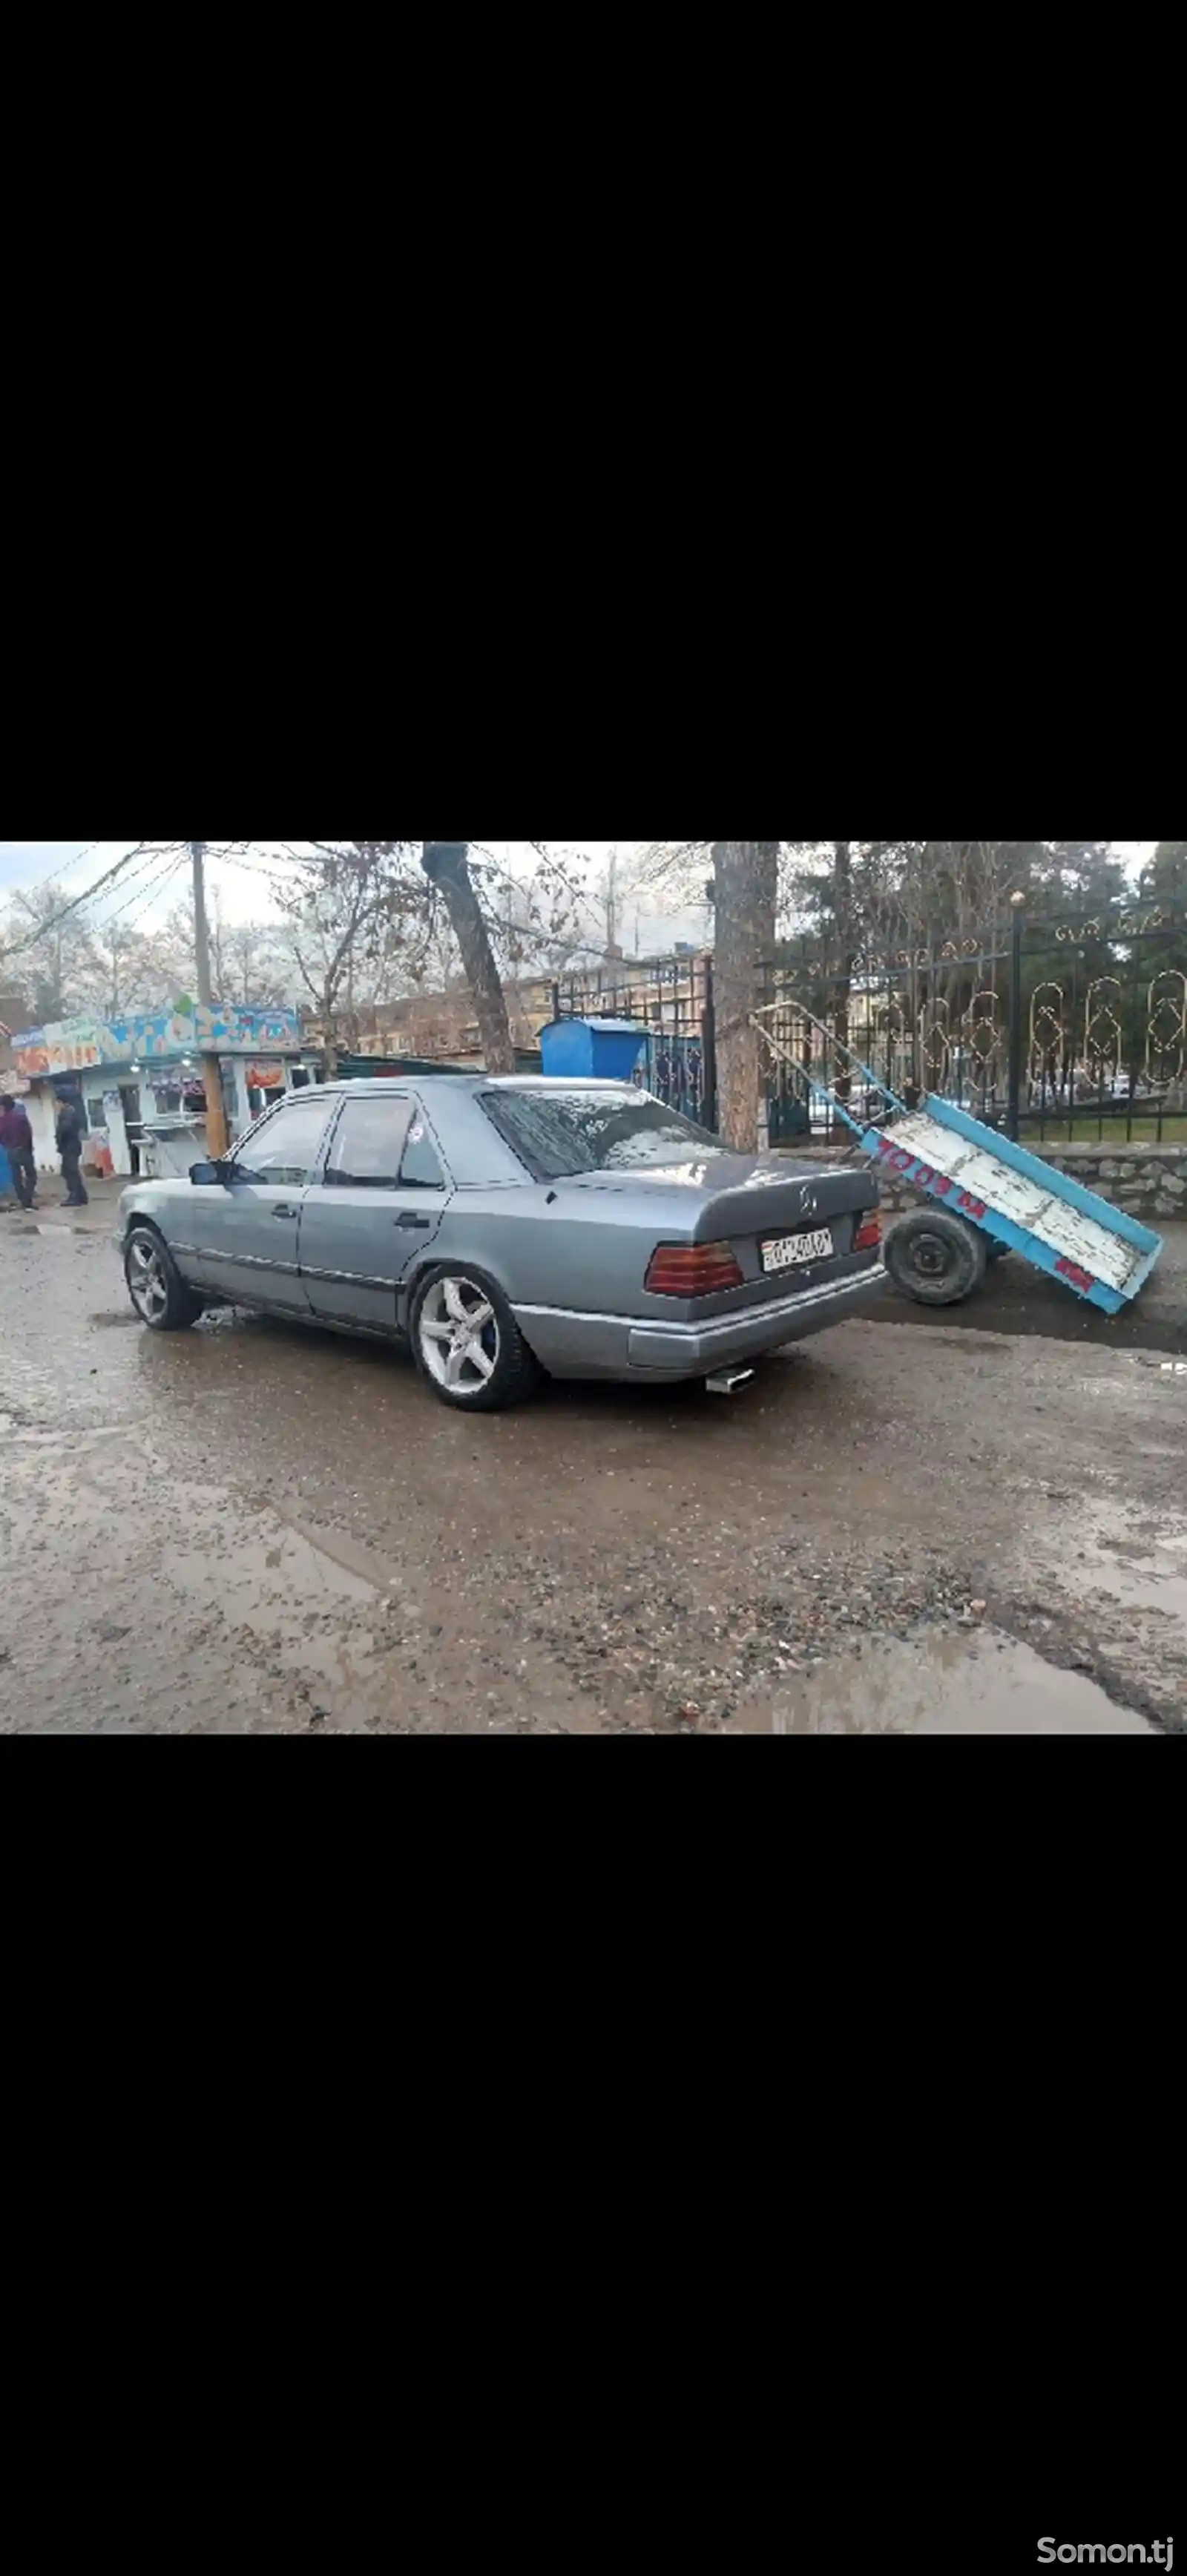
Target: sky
<point>245,892</point>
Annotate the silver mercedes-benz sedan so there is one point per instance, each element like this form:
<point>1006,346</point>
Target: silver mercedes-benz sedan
<point>506,1228</point>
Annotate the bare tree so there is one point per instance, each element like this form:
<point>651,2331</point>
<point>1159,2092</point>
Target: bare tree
<point>251,964</point>
<point>346,903</point>
<point>446,865</point>
<point>364,919</point>
<point>255,972</point>
<point>48,940</point>
<point>681,869</point>
<point>120,971</point>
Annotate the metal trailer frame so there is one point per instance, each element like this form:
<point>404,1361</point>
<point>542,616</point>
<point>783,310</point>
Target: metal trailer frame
<point>1098,1251</point>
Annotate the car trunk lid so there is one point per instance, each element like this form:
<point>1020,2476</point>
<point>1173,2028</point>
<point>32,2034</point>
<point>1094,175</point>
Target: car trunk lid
<point>752,1203</point>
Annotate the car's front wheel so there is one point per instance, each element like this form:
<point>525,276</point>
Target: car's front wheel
<point>468,1345</point>
<point>155,1285</point>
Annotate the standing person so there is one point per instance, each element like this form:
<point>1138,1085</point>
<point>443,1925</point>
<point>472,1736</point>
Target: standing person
<point>69,1136</point>
<point>16,1136</point>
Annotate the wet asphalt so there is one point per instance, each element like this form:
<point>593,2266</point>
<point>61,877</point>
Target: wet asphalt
<point>258,1527</point>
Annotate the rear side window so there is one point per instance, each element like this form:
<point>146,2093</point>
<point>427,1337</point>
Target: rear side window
<point>557,1133</point>
<point>383,1144</point>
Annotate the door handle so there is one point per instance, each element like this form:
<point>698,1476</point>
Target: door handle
<point>285,1212</point>
<point>420,1223</point>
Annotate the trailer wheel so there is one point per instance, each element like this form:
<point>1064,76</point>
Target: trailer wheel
<point>936,1257</point>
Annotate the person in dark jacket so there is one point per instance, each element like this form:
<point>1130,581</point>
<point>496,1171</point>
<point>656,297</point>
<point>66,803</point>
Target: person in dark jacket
<point>16,1136</point>
<point>69,1136</point>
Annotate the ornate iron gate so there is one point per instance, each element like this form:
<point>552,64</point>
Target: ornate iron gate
<point>1070,1025</point>
<point>1101,1036</point>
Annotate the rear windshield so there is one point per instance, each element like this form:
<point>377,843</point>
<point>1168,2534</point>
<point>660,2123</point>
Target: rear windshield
<point>558,1133</point>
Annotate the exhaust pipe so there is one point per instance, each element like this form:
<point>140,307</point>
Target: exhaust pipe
<point>727,1380</point>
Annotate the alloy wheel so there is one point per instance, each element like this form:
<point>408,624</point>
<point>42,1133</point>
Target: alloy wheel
<point>459,1335</point>
<point>147,1283</point>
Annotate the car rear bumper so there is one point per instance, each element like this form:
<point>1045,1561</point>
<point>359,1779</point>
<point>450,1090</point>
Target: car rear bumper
<point>574,1345</point>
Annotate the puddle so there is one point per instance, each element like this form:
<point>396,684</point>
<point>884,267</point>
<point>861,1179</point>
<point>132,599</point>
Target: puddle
<point>294,1597</point>
<point>374,1572</point>
<point>986,1684</point>
<point>1141,1573</point>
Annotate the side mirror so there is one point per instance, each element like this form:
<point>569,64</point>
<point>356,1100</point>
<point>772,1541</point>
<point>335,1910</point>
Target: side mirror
<point>208,1176</point>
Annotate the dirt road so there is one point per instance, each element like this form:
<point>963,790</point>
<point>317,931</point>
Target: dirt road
<point>256,1527</point>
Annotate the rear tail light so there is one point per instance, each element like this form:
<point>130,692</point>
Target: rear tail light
<point>692,1269</point>
<point>868,1237</point>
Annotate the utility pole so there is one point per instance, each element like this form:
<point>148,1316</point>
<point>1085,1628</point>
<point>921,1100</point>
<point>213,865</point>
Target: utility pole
<point>217,1139</point>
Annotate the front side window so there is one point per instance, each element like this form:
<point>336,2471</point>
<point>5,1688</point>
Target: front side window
<point>383,1144</point>
<point>283,1152</point>
<point>558,1133</point>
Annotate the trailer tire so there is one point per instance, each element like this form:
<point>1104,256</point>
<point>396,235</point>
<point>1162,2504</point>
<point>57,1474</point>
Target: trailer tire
<point>935,1257</point>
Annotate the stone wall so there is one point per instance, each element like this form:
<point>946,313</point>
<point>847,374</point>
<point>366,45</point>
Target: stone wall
<point>1149,1180</point>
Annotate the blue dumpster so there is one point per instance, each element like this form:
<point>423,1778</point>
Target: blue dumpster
<point>583,1050</point>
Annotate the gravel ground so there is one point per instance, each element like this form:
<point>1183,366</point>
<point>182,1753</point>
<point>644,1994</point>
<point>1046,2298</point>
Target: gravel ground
<point>254,1527</point>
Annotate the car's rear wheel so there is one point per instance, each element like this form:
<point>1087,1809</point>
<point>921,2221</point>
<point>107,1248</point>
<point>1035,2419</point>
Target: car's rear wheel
<point>935,1257</point>
<point>468,1345</point>
<point>155,1285</point>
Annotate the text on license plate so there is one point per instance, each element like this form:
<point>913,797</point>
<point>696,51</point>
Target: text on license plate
<point>786,1251</point>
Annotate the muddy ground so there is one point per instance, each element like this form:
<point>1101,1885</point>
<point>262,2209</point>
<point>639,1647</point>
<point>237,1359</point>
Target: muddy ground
<point>255,1527</point>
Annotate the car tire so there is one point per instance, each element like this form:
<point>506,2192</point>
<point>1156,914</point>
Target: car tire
<point>467,1344</point>
<point>935,1257</point>
<point>155,1285</point>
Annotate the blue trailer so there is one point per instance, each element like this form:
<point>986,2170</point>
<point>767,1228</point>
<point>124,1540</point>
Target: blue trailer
<point>988,1195</point>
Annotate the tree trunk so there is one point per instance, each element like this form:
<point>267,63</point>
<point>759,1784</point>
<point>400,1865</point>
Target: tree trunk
<point>746,875</point>
<point>446,864</point>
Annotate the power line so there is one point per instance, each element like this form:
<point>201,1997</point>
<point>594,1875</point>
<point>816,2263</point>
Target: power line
<point>61,868</point>
<point>162,878</point>
<point>44,928</point>
<point>254,869</point>
<point>128,879</point>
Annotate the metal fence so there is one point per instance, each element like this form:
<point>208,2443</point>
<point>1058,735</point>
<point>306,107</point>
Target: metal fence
<point>1101,1022</point>
<point>1069,1026</point>
<point>672,999</point>
<point>923,1018</point>
<point>1063,1026</point>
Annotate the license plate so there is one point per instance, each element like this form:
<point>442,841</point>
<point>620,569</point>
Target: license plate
<point>787,1251</point>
